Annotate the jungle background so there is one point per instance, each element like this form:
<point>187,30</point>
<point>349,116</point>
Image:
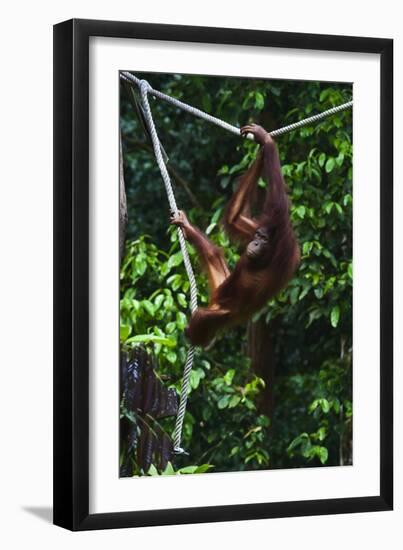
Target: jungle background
<point>276,393</point>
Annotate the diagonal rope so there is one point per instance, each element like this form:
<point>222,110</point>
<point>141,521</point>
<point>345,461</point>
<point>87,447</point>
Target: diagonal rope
<point>177,103</point>
<point>310,120</point>
<point>144,89</point>
<point>125,75</point>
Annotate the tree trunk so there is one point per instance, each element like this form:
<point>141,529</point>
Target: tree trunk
<point>123,218</point>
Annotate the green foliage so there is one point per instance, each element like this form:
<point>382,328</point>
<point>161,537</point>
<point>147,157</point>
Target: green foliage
<point>310,320</point>
<point>170,470</point>
<point>223,389</point>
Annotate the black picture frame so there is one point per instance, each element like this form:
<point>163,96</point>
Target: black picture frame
<point>71,274</point>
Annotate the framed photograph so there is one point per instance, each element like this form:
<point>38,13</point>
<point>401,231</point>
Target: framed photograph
<point>223,274</point>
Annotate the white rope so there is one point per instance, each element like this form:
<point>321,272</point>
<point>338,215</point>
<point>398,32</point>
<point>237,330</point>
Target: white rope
<point>144,90</point>
<point>234,129</point>
<point>184,106</point>
<point>311,119</point>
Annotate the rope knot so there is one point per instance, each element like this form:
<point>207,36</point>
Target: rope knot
<point>144,86</point>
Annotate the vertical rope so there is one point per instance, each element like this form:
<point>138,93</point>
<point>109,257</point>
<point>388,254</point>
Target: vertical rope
<point>144,89</point>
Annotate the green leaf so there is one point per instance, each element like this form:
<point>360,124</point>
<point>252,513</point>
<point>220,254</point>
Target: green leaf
<point>187,470</point>
<point>259,101</point>
<point>149,307</point>
<point>347,199</point>
<point>182,300</point>
<point>335,316</point>
<point>234,451</point>
<point>313,315</point>
<point>124,332</point>
<point>287,169</point>
<point>175,281</point>
<point>175,260</point>
<point>323,454</point>
<point>152,471</point>
<point>158,300</point>
<point>210,228</point>
<point>169,470</point>
<point>216,215</point>
<point>300,210</point>
<point>306,247</point>
<point>340,159</point>
<point>234,401</point>
<point>223,170</point>
<point>170,327</point>
<point>229,376</point>
<point>171,357</point>
<point>203,468</point>
<point>338,208</point>
<point>195,376</point>
<point>330,164</point>
<point>294,295</point>
<point>321,160</point>
<point>325,405</point>
<point>318,293</point>
<point>324,94</point>
<point>140,264</point>
<point>181,320</point>
<point>223,402</point>
<point>146,338</point>
<point>299,440</point>
<point>303,293</point>
<point>246,102</point>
